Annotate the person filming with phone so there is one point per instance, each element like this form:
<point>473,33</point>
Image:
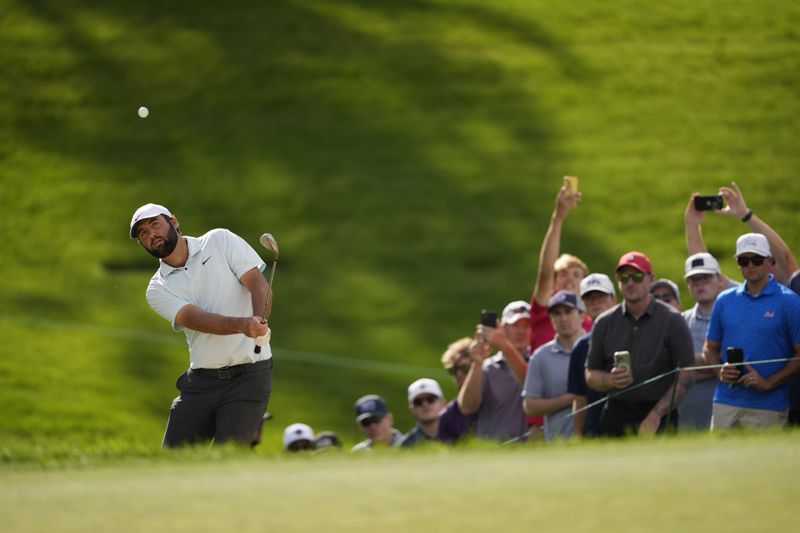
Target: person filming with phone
<point>637,340</point>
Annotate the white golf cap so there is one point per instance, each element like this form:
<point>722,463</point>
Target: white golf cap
<point>147,211</point>
<point>754,243</point>
<point>701,263</point>
<point>516,310</point>
<point>597,282</point>
<point>296,432</point>
<point>424,386</point>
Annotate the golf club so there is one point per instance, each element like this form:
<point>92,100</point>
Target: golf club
<point>271,245</point>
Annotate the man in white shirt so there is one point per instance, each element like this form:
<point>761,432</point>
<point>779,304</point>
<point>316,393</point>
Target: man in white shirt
<point>212,289</point>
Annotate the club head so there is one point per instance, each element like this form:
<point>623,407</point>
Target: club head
<point>271,245</point>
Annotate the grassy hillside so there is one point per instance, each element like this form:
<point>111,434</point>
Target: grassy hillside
<point>405,154</point>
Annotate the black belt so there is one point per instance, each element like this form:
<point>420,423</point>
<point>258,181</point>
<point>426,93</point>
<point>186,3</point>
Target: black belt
<point>226,372</point>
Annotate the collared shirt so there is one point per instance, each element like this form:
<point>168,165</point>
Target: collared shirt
<point>453,424</point>
<point>547,378</point>
<point>765,327</point>
<point>367,444</point>
<point>500,415</point>
<point>210,280</point>
<point>698,325</point>
<point>415,437</point>
<point>659,341</point>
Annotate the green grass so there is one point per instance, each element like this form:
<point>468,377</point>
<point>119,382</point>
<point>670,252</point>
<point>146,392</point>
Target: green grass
<point>733,483</point>
<point>404,153</point>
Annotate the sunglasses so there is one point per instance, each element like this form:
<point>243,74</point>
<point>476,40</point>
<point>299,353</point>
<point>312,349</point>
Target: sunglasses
<point>638,277</point>
<point>419,401</point>
<point>744,260</point>
<point>367,422</point>
<point>458,368</point>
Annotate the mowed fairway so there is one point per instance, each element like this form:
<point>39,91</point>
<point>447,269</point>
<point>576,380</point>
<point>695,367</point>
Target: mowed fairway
<point>733,483</point>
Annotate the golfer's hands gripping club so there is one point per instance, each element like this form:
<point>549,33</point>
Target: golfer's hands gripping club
<point>257,328</point>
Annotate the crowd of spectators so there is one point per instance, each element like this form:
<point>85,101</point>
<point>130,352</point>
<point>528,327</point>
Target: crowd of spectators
<point>576,362</point>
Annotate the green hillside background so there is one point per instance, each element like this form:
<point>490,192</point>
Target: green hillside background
<point>405,154</point>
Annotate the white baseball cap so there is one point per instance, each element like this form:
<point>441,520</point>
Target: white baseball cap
<point>296,432</point>
<point>597,282</point>
<point>516,310</point>
<point>754,243</point>
<point>701,263</point>
<point>424,386</point>
<point>147,211</point>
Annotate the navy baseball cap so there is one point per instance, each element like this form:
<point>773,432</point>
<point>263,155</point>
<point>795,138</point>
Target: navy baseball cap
<point>370,406</point>
<point>567,298</point>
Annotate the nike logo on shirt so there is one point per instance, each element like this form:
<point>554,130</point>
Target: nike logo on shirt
<point>206,261</point>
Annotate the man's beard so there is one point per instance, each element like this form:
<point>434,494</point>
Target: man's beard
<point>169,245</point>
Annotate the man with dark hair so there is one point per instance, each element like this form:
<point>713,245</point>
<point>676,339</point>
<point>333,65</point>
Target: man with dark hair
<point>761,318</point>
<point>212,289</point>
<point>545,391</point>
<point>657,340</point>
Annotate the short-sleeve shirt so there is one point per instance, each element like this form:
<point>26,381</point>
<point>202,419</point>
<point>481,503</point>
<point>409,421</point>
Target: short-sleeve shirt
<point>576,384</point>
<point>698,325</point>
<point>210,280</point>
<point>542,330</point>
<point>500,415</point>
<point>659,341</point>
<point>453,424</point>
<point>547,378</point>
<point>765,327</point>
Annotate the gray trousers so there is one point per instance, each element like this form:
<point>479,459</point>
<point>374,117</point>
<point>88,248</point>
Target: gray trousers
<point>220,405</point>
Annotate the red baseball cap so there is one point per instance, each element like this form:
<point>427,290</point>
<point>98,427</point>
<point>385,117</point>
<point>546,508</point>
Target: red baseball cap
<point>637,260</point>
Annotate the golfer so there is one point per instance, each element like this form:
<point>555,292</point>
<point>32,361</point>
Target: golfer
<point>212,288</point>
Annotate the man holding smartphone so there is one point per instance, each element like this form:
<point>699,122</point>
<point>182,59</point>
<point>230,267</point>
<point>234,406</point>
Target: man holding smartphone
<point>761,318</point>
<point>493,385</point>
<point>658,340</point>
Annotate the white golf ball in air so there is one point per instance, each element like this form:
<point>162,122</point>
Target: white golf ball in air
<point>143,112</point>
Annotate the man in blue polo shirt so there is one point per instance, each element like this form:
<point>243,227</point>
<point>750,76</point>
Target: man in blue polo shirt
<point>762,318</point>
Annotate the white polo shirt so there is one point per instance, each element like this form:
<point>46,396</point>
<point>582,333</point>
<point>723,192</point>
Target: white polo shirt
<point>210,280</point>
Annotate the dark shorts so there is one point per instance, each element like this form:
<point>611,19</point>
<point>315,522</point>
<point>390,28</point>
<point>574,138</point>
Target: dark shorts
<point>220,405</point>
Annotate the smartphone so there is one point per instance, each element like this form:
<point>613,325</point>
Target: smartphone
<point>489,318</point>
<point>736,355</point>
<point>622,359</point>
<point>572,184</point>
<point>708,203</point>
